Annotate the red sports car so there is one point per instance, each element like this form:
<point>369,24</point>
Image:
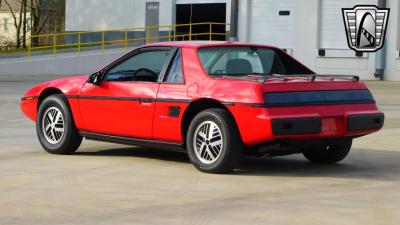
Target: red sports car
<point>215,100</point>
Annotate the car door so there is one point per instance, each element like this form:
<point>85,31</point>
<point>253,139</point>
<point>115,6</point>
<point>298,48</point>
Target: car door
<point>172,101</point>
<point>122,104</point>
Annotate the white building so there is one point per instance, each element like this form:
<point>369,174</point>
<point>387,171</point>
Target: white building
<point>7,27</point>
<point>311,30</point>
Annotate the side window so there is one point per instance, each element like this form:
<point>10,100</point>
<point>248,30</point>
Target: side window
<point>144,66</point>
<point>254,60</point>
<point>273,63</point>
<point>220,65</point>
<point>175,73</point>
<point>223,61</point>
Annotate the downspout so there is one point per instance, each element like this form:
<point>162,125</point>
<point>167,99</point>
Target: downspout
<point>380,56</point>
<point>234,21</point>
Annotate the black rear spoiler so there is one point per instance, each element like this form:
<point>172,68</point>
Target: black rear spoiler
<point>312,77</point>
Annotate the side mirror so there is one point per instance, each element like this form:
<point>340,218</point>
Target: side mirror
<point>95,78</point>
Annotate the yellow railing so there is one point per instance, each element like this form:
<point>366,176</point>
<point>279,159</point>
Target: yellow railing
<point>56,41</point>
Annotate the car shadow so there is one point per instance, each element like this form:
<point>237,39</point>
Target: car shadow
<point>142,152</point>
<point>363,164</point>
<point>360,164</point>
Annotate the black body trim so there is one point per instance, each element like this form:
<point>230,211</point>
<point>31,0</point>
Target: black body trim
<point>313,104</point>
<point>130,99</point>
<point>365,122</point>
<point>325,97</point>
<point>257,105</point>
<point>29,98</point>
<point>228,103</point>
<point>172,100</point>
<point>146,100</point>
<point>105,98</point>
<point>133,141</point>
<point>174,111</point>
<point>310,125</point>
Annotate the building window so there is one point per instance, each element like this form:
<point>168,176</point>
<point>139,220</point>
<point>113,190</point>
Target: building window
<point>5,24</point>
<point>29,23</point>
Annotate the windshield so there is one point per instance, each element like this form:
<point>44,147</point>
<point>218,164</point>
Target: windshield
<point>248,60</point>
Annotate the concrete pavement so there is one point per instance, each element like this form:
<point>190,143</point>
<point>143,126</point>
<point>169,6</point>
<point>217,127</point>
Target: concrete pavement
<point>115,184</point>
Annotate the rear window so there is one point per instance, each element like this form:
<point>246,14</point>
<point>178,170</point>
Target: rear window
<point>247,60</point>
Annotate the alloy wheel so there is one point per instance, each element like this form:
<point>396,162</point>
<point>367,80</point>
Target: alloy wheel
<point>53,125</point>
<point>208,142</point>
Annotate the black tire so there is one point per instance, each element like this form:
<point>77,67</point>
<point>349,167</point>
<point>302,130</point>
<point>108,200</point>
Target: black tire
<point>70,140</point>
<point>330,153</point>
<point>232,146</point>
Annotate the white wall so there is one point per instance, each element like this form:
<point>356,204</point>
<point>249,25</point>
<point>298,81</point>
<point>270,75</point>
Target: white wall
<point>98,14</point>
<point>112,14</point>
<point>117,14</point>
<point>392,71</point>
<point>305,43</point>
<point>340,61</point>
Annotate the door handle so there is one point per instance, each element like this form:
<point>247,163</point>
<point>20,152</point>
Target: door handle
<point>145,100</point>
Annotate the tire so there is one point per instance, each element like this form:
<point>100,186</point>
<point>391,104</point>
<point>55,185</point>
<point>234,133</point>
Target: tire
<point>203,152</point>
<point>330,153</point>
<point>61,135</point>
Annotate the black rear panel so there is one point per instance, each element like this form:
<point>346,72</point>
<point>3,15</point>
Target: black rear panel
<point>365,122</point>
<point>331,97</point>
<point>311,125</point>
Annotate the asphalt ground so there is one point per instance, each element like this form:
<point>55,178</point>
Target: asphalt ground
<point>115,184</point>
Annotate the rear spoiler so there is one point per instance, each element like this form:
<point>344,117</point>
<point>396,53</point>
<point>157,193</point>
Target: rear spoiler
<point>312,77</point>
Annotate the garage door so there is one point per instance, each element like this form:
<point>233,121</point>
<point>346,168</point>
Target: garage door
<point>332,30</point>
<point>271,22</point>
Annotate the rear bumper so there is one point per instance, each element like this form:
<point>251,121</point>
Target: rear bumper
<point>259,125</point>
<point>313,125</point>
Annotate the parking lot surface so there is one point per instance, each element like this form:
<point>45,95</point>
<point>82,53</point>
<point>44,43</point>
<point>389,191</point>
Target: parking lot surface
<point>116,184</point>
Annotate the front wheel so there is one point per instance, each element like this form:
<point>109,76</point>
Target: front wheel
<point>55,126</point>
<point>213,141</point>
<point>329,153</point>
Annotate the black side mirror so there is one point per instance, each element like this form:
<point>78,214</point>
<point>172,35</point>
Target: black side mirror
<point>95,78</point>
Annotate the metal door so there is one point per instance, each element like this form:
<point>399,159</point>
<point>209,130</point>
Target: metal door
<point>271,22</point>
<point>332,29</point>
<point>152,19</point>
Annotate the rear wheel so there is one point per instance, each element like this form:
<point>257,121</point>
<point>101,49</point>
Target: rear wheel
<point>55,126</point>
<point>329,153</point>
<point>213,141</point>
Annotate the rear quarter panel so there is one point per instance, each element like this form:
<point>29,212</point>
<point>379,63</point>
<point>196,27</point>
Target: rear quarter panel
<point>234,94</point>
<point>254,122</point>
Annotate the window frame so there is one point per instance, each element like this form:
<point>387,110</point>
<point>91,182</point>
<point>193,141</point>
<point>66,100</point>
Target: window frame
<point>135,52</point>
<point>173,59</point>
